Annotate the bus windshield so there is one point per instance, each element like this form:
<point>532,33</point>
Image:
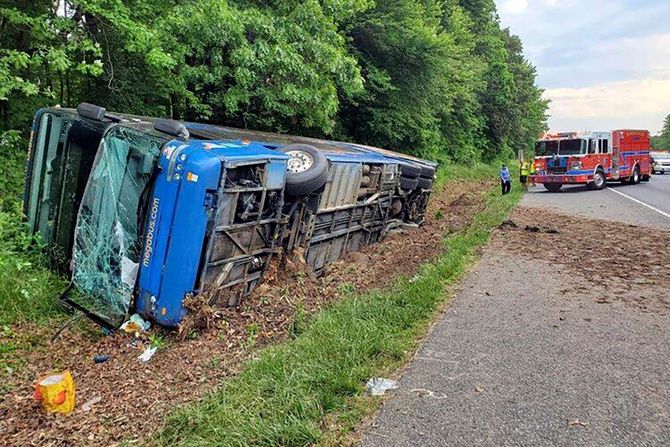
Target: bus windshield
<point>107,244</point>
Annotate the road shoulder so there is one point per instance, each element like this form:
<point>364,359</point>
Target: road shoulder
<point>557,344</point>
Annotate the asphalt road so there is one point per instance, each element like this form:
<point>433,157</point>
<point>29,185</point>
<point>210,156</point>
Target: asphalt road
<point>526,356</point>
<point>611,203</point>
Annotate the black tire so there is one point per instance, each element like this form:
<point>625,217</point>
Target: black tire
<point>553,187</point>
<point>408,184</point>
<point>427,171</point>
<point>635,178</point>
<point>312,178</point>
<point>411,171</point>
<point>646,177</point>
<point>599,181</point>
<point>425,183</point>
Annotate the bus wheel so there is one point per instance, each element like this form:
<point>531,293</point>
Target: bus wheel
<point>553,187</point>
<point>307,169</point>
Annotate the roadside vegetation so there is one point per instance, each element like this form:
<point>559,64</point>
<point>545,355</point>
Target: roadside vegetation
<point>29,289</point>
<point>310,390</point>
<point>438,78</point>
<point>662,140</point>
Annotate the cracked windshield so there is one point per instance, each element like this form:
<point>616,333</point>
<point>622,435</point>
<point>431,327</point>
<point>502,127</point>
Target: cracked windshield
<point>106,250</point>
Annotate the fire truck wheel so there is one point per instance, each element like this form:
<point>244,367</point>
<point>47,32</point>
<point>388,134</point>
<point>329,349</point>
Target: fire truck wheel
<point>599,180</point>
<point>635,179</point>
<point>646,178</point>
<point>553,187</point>
<point>307,169</point>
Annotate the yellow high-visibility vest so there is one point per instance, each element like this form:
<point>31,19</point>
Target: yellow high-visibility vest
<point>524,168</point>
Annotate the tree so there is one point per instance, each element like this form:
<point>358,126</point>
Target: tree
<point>662,140</point>
<point>438,78</point>
<point>41,51</point>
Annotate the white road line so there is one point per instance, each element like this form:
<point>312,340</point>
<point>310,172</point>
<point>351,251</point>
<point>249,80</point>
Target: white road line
<point>662,213</point>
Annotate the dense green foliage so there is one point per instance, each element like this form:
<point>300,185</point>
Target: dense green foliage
<point>662,140</point>
<point>29,290</point>
<point>433,77</point>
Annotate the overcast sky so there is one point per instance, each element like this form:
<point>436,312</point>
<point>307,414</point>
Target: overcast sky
<point>605,64</point>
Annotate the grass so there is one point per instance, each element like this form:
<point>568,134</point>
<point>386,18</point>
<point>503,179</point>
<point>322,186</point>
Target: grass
<point>309,391</point>
<point>29,288</point>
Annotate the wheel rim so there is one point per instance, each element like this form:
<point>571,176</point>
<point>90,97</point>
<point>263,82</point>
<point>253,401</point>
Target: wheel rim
<point>599,179</point>
<point>299,162</point>
<point>636,175</point>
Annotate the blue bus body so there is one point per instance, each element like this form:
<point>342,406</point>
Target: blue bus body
<point>214,206</point>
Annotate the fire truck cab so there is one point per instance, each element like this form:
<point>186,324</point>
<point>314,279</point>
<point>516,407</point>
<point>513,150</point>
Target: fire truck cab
<point>592,158</point>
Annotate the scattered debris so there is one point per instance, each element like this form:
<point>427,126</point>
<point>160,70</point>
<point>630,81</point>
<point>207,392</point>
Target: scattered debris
<point>378,386</point>
<point>100,358</point>
<point>202,311</point>
<point>147,354</point>
<point>479,389</point>
<point>536,229</point>
<point>508,224</point>
<point>576,421</point>
<point>56,393</point>
<point>135,325</point>
<point>89,404</point>
<point>598,252</point>
<point>422,392</point>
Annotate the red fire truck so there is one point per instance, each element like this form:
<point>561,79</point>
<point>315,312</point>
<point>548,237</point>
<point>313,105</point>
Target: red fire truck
<point>592,158</point>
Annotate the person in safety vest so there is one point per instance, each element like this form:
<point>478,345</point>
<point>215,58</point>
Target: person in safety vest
<point>532,173</point>
<point>505,180</point>
<point>523,177</point>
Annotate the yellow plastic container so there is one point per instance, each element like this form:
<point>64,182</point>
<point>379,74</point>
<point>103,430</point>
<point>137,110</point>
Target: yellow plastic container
<point>56,392</point>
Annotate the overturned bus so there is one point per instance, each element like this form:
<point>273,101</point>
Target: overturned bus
<point>143,213</point>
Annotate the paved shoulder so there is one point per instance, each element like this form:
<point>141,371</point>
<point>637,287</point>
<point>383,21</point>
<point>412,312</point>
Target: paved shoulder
<point>533,354</point>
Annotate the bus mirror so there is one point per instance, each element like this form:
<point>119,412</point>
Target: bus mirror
<point>91,111</point>
<point>172,128</point>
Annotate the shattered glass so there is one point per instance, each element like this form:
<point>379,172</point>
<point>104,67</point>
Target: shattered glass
<point>107,242</point>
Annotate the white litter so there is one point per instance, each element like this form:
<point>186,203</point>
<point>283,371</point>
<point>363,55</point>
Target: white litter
<point>147,354</point>
<point>377,386</point>
<point>88,405</point>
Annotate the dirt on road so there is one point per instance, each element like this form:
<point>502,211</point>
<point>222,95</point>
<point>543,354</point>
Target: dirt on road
<point>623,262</point>
<point>127,399</point>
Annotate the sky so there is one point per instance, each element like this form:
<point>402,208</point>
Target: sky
<point>604,64</point>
